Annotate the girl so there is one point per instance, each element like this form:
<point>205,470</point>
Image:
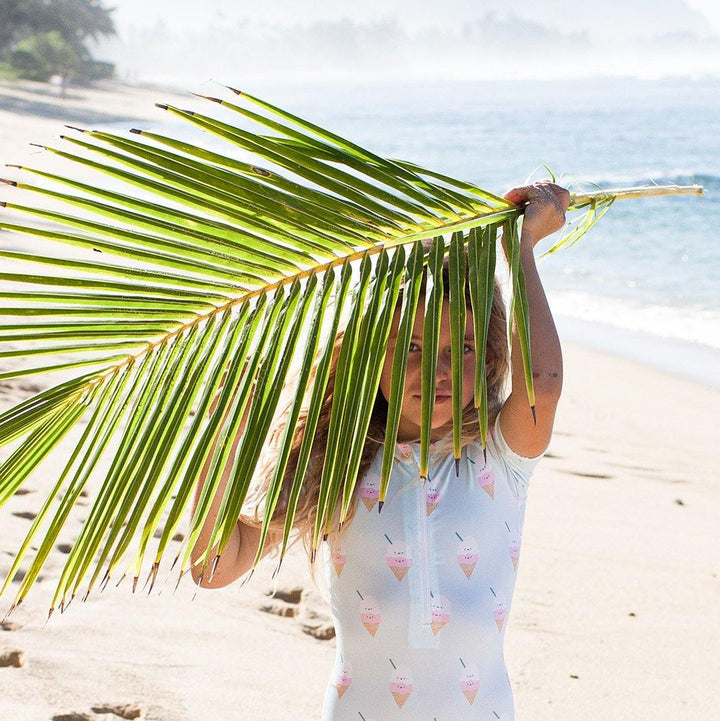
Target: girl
<point>421,592</point>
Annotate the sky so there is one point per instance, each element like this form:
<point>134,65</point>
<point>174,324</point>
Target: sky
<point>181,41</point>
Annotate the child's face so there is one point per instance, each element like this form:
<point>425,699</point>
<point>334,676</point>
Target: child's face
<point>411,410</point>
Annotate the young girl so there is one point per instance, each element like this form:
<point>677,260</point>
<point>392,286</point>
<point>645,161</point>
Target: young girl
<point>421,592</point>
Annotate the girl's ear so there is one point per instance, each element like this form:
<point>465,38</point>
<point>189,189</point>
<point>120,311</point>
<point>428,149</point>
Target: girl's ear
<point>489,364</point>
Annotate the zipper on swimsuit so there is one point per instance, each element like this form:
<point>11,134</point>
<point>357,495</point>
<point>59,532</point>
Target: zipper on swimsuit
<point>423,551</point>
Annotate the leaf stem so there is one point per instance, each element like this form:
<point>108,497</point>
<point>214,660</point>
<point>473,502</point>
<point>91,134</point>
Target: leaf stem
<point>641,191</point>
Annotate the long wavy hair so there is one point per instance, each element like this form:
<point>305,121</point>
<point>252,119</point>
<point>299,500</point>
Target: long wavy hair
<point>497,365</point>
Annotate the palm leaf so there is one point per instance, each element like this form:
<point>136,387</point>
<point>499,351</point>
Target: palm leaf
<point>218,284</point>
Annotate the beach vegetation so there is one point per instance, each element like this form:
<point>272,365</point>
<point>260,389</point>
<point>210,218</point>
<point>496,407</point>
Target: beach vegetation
<point>42,39</point>
<point>201,289</point>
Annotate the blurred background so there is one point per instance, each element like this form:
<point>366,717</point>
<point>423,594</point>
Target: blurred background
<point>181,41</point>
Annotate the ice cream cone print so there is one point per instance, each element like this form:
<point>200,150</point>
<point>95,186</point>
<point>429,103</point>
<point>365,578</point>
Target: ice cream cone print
<point>500,609</point>
<point>369,614</point>
<point>432,495</point>
<point>337,556</point>
<point>404,451</point>
<point>401,684</point>
<point>440,614</point>
<point>486,479</point>
<point>513,546</point>
<point>467,554</point>
<point>469,681</point>
<point>398,558</point>
<point>370,490</point>
<point>344,680</point>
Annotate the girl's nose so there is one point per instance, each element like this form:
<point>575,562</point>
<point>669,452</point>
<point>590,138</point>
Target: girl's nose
<point>444,367</point>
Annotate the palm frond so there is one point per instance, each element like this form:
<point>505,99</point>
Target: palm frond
<point>222,276</point>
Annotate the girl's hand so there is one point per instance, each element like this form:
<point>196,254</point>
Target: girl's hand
<point>545,205</point>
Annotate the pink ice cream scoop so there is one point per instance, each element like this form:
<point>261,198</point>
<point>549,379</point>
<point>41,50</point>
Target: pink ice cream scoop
<point>432,495</point>
<point>401,687</point>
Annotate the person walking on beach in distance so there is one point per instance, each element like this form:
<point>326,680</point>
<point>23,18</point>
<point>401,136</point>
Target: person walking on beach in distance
<point>421,592</point>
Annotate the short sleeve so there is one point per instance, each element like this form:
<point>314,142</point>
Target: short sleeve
<point>519,468</point>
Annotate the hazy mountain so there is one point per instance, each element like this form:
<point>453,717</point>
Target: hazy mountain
<point>189,41</point>
<point>618,17</point>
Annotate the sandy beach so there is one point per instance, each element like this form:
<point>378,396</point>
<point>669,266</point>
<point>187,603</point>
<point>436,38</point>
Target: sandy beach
<point>616,607</point>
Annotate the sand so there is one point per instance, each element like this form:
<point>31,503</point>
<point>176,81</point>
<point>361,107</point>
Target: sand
<point>615,612</point>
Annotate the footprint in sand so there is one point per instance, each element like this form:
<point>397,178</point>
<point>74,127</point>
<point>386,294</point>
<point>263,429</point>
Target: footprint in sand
<point>10,626</point>
<point>126,711</point>
<point>14,658</point>
<point>283,602</point>
<point>20,576</point>
<point>581,474</point>
<point>292,602</point>
<point>29,515</point>
<point>72,716</point>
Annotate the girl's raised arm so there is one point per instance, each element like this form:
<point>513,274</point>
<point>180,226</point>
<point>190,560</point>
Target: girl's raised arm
<point>239,554</point>
<point>545,213</point>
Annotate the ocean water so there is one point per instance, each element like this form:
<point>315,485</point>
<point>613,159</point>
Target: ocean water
<point>645,282</point>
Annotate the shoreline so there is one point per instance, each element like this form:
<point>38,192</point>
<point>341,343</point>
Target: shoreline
<point>681,359</point>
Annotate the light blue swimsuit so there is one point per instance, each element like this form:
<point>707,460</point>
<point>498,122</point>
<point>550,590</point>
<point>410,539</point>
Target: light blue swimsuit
<point>421,592</point>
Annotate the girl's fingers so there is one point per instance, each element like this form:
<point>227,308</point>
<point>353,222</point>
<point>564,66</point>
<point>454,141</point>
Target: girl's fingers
<point>540,189</point>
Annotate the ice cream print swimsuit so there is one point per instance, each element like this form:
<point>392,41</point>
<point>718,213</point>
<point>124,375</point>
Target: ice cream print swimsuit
<point>421,592</point>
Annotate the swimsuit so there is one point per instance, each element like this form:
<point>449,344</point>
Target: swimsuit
<point>420,593</point>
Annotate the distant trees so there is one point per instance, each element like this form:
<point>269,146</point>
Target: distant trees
<point>42,38</point>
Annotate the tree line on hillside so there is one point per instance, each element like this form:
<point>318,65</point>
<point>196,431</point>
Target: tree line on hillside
<point>40,39</point>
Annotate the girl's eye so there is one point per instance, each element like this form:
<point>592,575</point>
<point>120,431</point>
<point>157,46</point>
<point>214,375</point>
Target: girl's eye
<point>413,347</point>
<point>468,349</point>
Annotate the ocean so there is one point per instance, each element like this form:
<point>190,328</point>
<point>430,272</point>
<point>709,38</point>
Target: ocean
<point>645,281</point>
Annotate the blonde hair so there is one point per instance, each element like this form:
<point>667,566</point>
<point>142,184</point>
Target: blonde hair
<point>497,364</point>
